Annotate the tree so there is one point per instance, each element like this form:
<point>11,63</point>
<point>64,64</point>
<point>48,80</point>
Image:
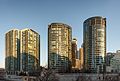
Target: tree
<point>47,75</point>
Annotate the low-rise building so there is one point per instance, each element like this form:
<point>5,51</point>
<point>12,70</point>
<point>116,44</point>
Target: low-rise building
<point>108,57</point>
<point>115,62</point>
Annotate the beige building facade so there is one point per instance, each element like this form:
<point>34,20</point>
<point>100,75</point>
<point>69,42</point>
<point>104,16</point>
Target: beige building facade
<point>12,47</point>
<point>29,50</point>
<point>81,58</point>
<point>59,47</point>
<point>22,51</point>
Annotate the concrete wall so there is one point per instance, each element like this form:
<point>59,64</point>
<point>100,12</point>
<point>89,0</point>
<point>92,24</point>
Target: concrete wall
<point>89,77</point>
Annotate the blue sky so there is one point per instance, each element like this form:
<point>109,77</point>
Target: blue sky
<point>37,14</point>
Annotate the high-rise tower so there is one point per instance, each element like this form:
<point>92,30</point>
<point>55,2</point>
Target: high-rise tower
<point>29,50</point>
<point>12,51</point>
<point>94,46</point>
<point>22,51</point>
<point>59,47</point>
<point>74,52</point>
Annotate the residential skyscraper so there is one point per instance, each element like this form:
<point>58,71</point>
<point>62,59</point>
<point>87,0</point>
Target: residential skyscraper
<point>59,47</point>
<point>29,50</point>
<point>22,51</point>
<point>75,56</point>
<point>12,51</point>
<point>94,43</point>
<point>74,52</point>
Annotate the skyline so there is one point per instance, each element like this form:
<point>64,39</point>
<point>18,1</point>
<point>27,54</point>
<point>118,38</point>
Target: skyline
<point>20,14</point>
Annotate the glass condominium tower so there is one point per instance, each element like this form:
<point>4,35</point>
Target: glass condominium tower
<point>94,44</point>
<point>22,51</point>
<point>59,47</point>
<point>12,51</point>
<point>29,50</point>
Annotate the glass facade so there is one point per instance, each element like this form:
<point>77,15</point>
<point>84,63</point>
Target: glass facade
<point>29,50</point>
<point>12,47</point>
<point>22,51</point>
<point>59,47</point>
<point>94,38</point>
